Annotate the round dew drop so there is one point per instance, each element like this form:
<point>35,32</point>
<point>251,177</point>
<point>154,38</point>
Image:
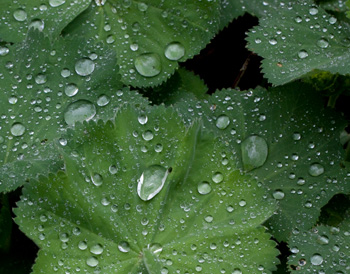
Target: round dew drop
<point>124,247</point>
<point>204,188</point>
<point>56,3</point>
<point>97,249</point>
<point>100,2</point>
<point>92,262</point>
<point>17,129</point>
<point>174,51</point>
<point>148,64</point>
<point>316,259</point>
<point>20,15</point>
<point>103,100</point>
<point>84,67</point>
<point>303,54</point>
<point>97,179</point>
<point>278,194</point>
<point>79,111</point>
<point>217,177</point>
<point>322,43</point>
<point>316,169</point>
<point>222,122</point>
<point>254,152</point>
<point>71,90</point>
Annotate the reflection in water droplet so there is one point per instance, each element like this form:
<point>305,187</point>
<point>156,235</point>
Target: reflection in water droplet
<point>151,182</point>
<point>217,177</point>
<point>303,54</point>
<point>92,261</point>
<point>124,247</point>
<point>272,42</point>
<point>313,11</point>
<point>4,51</point>
<point>316,169</point>
<point>13,100</point>
<point>17,129</point>
<point>103,100</point>
<point>148,64</point>
<point>278,194</point>
<point>142,119</point>
<point>37,24</point>
<point>242,203</point>
<point>158,148</point>
<point>56,3</point>
<point>97,179</point>
<point>71,90</point>
<point>204,188</point>
<point>79,111</point>
<point>174,51</point>
<point>296,136</point>
<point>84,67</point>
<point>322,43</point>
<point>20,15</point>
<point>82,245</point>
<point>316,259</point>
<point>155,248</point>
<point>222,122</point>
<point>96,249</point>
<point>147,135</point>
<point>254,152</point>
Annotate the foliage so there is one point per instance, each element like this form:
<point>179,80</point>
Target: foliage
<point>127,162</point>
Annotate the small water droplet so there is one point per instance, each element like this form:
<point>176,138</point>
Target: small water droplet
<point>96,249</point>
<point>322,43</point>
<point>278,194</point>
<point>134,47</point>
<point>148,64</point>
<point>222,122</point>
<point>242,203</point>
<point>124,247</point>
<point>323,240</point>
<point>142,6</point>
<point>92,261</point>
<point>332,20</point>
<point>237,271</point>
<point>56,3</point>
<point>298,19</point>
<point>147,135</point>
<point>113,169</point>
<point>17,129</point>
<point>254,152</point>
<point>84,67</point>
<point>208,218</point>
<point>79,111</point>
<point>217,177</point>
<point>20,15</point>
<point>151,182</point>
<point>204,188</point>
<point>296,136</point>
<point>158,148</point>
<point>103,100</point>
<point>174,51</point>
<point>316,169</point>
<point>273,42</point>
<point>71,90</point>
<point>313,11</point>
<point>64,237</point>
<point>316,259</point>
<point>303,54</point>
<point>97,179</point>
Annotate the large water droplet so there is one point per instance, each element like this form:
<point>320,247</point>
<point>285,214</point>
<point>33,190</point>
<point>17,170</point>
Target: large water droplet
<point>103,100</point>
<point>204,188</point>
<point>84,67</point>
<point>97,179</point>
<point>124,247</point>
<point>4,51</point>
<point>20,15</point>
<point>151,182</point>
<point>278,194</point>
<point>313,11</point>
<point>37,24</point>
<point>217,177</point>
<point>79,111</point>
<point>71,90</point>
<point>142,119</point>
<point>303,54</point>
<point>322,43</point>
<point>316,259</point>
<point>92,262</point>
<point>254,152</point>
<point>155,248</point>
<point>148,64</point>
<point>222,122</point>
<point>56,3</point>
<point>316,169</point>
<point>174,51</point>
<point>17,129</point>
<point>96,249</point>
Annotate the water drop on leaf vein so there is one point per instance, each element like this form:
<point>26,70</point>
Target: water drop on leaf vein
<point>254,152</point>
<point>151,182</point>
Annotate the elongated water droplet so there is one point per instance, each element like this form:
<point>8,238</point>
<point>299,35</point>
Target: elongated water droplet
<point>254,152</point>
<point>204,188</point>
<point>316,259</point>
<point>278,194</point>
<point>17,129</point>
<point>56,3</point>
<point>174,51</point>
<point>151,182</point>
<point>103,100</point>
<point>148,64</point>
<point>124,247</point>
<point>316,169</point>
<point>84,67</point>
<point>97,179</point>
<point>79,111</point>
<point>222,122</point>
<point>20,15</point>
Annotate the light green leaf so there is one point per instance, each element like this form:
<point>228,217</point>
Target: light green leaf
<point>206,217</point>
<point>348,5</point>
<point>150,37</point>
<point>289,142</point>
<point>324,249</point>
<point>297,38</point>
<point>42,90</point>
<point>49,16</point>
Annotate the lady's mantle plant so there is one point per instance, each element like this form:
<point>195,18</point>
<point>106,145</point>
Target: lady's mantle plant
<point>191,183</point>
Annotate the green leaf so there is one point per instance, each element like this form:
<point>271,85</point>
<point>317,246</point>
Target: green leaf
<point>324,249</point>
<point>50,17</point>
<point>286,140</point>
<point>297,38</point>
<point>150,37</point>
<point>206,217</point>
<point>348,5</point>
<point>37,85</point>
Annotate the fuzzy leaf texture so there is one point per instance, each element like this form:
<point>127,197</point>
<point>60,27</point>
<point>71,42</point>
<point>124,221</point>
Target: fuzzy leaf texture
<point>45,89</point>
<point>147,194</point>
<point>286,140</point>
<point>297,37</point>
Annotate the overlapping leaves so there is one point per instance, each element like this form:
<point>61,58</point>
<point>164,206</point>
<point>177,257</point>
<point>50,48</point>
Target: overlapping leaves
<point>205,218</point>
<point>282,138</point>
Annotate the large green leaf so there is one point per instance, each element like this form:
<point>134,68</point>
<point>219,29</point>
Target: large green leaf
<point>295,38</point>
<point>43,89</point>
<point>49,16</point>
<point>324,249</point>
<point>289,142</point>
<point>150,37</point>
<point>100,215</point>
<point>348,4</point>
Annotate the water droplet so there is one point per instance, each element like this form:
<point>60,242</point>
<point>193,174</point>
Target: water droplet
<point>278,194</point>
<point>313,11</point>
<point>92,262</point>
<point>155,248</point>
<point>84,67</point>
<point>134,47</point>
<point>316,169</point>
<point>56,3</point>
<point>322,43</point>
<point>296,136</point>
<point>4,51</point>
<point>79,111</point>
<point>254,152</point>
<point>217,177</point>
<point>301,181</point>
<point>113,169</point>
<point>204,188</point>
<point>323,240</point>
<point>64,237</point>
<point>65,73</point>
<point>147,135</point>
<point>298,19</point>
<point>148,64</point>
<point>97,179</point>
<point>158,148</point>
<point>103,100</point>
<point>316,259</point>
<point>332,20</point>
<point>100,2</point>
<point>272,42</point>
<point>303,54</point>
<point>222,122</point>
<point>20,15</point>
<point>82,245</point>
<point>237,271</point>
<point>124,247</point>
<point>242,203</point>
<point>209,218</point>
<point>151,182</point>
<point>37,24</point>
<point>17,129</point>
<point>71,90</point>
<point>13,100</point>
<point>142,6</point>
<point>96,249</point>
<point>142,119</point>
<point>174,51</point>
